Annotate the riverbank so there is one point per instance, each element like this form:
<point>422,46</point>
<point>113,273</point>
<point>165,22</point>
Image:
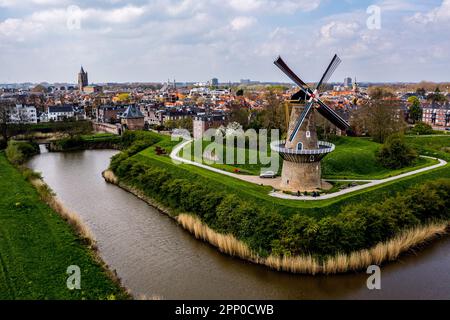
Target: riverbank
<point>305,264</point>
<point>40,239</point>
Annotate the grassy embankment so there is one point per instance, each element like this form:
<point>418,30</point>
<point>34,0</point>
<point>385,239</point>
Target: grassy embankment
<point>278,230</point>
<point>353,158</point>
<point>37,245</point>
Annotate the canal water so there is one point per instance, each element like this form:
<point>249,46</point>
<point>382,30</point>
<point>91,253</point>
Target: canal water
<point>156,258</point>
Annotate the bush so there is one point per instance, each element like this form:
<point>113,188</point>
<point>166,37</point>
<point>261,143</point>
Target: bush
<point>144,138</point>
<point>395,153</point>
<point>19,152</point>
<point>422,128</point>
<point>70,144</point>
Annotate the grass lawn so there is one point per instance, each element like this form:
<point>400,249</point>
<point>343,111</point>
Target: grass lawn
<point>353,158</point>
<point>37,246</point>
<point>259,194</point>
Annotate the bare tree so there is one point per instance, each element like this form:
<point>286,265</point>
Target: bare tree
<point>5,112</point>
<point>380,116</point>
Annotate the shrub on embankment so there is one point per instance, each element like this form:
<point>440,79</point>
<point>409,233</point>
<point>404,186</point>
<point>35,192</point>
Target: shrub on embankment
<point>18,152</point>
<point>132,141</point>
<point>267,232</point>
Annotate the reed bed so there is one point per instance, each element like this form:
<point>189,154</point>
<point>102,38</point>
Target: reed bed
<point>225,243</point>
<point>308,264</point>
<point>70,216</point>
<point>110,177</point>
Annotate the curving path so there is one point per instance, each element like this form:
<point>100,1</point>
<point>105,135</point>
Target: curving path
<point>273,182</point>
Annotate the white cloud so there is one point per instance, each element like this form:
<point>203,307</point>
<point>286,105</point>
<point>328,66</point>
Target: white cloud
<point>437,15</point>
<point>246,5</point>
<point>144,40</point>
<point>28,3</point>
<point>274,6</point>
<point>242,22</point>
<point>338,30</point>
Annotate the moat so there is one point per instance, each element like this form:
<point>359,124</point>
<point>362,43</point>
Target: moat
<point>155,257</point>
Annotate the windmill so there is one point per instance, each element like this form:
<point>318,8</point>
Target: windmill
<point>302,152</point>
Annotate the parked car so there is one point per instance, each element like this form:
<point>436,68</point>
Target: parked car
<point>268,174</point>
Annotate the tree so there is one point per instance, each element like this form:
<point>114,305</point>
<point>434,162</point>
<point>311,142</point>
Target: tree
<point>380,116</point>
<point>436,96</point>
<point>239,113</point>
<point>274,116</point>
<point>421,92</point>
<point>5,111</point>
<point>415,110</point>
<point>183,123</point>
<point>396,153</point>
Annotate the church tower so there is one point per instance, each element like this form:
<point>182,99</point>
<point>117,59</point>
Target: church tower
<point>82,79</point>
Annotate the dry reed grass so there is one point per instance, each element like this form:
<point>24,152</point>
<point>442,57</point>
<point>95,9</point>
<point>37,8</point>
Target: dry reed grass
<point>225,243</point>
<point>110,177</point>
<point>307,264</point>
<point>71,217</point>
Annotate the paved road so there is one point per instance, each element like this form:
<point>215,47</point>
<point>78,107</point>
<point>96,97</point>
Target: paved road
<point>274,182</point>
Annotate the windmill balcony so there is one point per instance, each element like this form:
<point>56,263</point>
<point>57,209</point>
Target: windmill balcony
<point>302,155</point>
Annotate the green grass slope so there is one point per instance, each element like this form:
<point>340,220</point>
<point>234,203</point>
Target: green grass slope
<point>37,246</point>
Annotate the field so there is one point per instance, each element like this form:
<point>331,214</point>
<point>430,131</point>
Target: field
<point>37,246</point>
<point>353,158</point>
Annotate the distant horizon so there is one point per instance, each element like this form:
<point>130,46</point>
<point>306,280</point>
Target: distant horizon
<point>220,83</point>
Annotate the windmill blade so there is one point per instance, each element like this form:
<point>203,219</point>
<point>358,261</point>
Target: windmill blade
<point>287,71</point>
<point>335,62</point>
<point>332,116</point>
<point>301,119</point>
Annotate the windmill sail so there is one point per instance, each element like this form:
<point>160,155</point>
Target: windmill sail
<point>300,120</point>
<point>313,96</point>
<point>332,116</point>
<point>287,71</point>
<point>329,71</point>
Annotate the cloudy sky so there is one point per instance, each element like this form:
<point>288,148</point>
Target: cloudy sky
<point>195,40</point>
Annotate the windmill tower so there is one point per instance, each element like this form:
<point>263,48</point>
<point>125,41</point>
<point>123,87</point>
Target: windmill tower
<point>302,152</point>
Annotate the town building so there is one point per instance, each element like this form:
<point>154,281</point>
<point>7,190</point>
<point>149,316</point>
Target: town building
<point>348,82</point>
<point>82,79</point>
<point>60,113</point>
<point>214,82</point>
<point>203,122</point>
<point>110,113</point>
<point>92,89</point>
<point>132,118</point>
<point>436,114</point>
<point>23,114</point>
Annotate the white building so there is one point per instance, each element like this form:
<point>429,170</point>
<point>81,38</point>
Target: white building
<point>60,113</point>
<point>23,114</point>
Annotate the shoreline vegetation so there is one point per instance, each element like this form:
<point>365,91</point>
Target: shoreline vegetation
<point>69,240</point>
<point>241,221</point>
<point>239,218</point>
<point>358,260</point>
